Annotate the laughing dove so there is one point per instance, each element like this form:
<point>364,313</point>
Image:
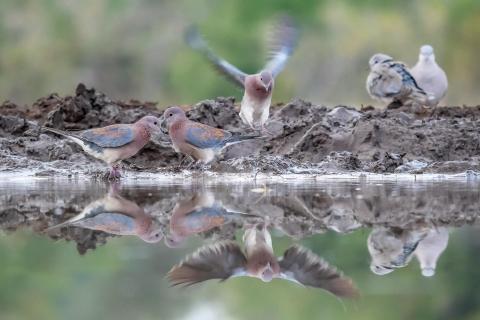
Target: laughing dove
<point>390,81</point>
<point>430,249</point>
<point>226,259</point>
<point>199,213</point>
<point>430,76</point>
<point>198,140</point>
<point>255,105</point>
<point>114,143</point>
<point>116,215</point>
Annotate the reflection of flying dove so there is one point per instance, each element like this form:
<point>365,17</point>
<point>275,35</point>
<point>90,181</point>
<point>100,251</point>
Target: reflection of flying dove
<point>200,141</point>
<point>116,215</point>
<point>390,80</point>
<point>429,76</point>
<point>391,248</point>
<point>430,249</point>
<point>258,87</point>
<point>225,260</point>
<point>198,214</point>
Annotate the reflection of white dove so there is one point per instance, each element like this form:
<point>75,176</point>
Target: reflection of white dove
<point>391,248</point>
<point>224,260</point>
<point>429,250</point>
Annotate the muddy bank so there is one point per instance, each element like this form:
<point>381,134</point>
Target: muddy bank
<point>292,212</point>
<point>306,138</point>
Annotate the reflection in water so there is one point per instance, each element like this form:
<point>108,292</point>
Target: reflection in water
<point>115,215</point>
<point>393,248</point>
<point>198,214</point>
<point>225,260</point>
<point>405,221</point>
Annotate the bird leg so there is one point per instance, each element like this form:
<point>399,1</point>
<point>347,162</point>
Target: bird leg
<point>264,130</point>
<point>115,172</point>
<point>183,160</point>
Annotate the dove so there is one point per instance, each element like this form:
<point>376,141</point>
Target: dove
<point>390,81</point>
<point>197,140</point>
<point>430,76</point>
<point>391,248</point>
<point>197,214</point>
<point>430,249</point>
<point>226,259</point>
<point>258,87</point>
<point>115,215</point>
<point>115,142</point>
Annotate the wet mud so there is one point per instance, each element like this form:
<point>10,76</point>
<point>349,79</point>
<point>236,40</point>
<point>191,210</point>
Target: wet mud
<point>306,138</point>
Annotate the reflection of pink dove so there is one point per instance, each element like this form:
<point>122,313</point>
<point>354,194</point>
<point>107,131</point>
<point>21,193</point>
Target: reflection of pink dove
<point>199,214</point>
<point>224,260</point>
<point>116,215</point>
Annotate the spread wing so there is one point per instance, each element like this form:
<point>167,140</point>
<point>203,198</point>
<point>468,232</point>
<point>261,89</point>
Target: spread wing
<point>300,265</point>
<point>195,40</point>
<point>205,137</point>
<point>218,261</point>
<point>113,136</point>
<point>283,41</point>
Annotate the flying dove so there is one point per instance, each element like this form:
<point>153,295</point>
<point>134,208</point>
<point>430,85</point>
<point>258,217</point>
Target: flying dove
<point>430,76</point>
<point>116,215</point>
<point>430,249</point>
<point>197,214</point>
<point>390,81</point>
<point>226,259</point>
<point>258,87</point>
<point>114,143</point>
<point>198,140</point>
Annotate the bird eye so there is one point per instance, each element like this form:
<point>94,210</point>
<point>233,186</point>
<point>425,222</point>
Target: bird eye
<point>170,115</point>
<point>155,123</point>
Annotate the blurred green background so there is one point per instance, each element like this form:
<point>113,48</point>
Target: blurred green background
<point>124,280</point>
<point>135,49</point>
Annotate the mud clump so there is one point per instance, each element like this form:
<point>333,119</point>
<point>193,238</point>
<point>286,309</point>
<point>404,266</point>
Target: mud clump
<point>305,138</point>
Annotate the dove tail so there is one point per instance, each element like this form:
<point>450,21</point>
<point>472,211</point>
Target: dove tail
<point>236,138</point>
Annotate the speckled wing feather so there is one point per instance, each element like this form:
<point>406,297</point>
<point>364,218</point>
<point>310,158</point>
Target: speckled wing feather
<point>303,266</point>
<point>407,78</point>
<point>206,137</point>
<point>218,261</point>
<point>113,136</point>
<point>283,41</point>
<point>195,40</point>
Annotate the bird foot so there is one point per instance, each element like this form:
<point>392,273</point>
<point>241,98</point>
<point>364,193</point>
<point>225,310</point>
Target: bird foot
<point>113,174</point>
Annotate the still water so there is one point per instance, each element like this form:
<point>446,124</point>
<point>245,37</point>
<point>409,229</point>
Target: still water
<point>334,249</point>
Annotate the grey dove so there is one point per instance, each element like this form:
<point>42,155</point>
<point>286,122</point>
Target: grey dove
<point>429,76</point>
<point>390,81</point>
<point>258,87</point>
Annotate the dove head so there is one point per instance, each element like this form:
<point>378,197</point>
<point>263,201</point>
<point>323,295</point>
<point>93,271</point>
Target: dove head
<point>426,53</point>
<point>378,58</point>
<point>153,237</point>
<point>151,123</point>
<point>428,272</point>
<point>266,80</point>
<point>173,115</point>
<point>380,270</point>
<point>267,273</point>
<point>174,241</point>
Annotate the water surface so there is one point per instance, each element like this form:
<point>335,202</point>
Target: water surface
<point>407,248</point>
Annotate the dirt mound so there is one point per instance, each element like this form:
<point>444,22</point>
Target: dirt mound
<point>305,138</point>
